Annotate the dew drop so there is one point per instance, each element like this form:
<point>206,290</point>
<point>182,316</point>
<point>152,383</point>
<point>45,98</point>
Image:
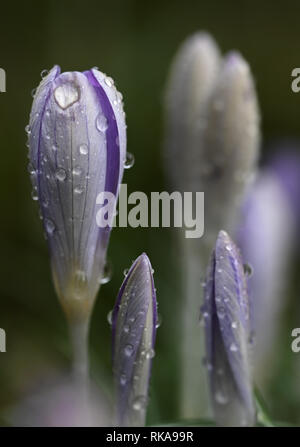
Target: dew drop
<point>101,123</point>
<point>83,149</point>
<point>107,273</point>
<point>150,354</point>
<point>44,73</point>
<point>129,162</point>
<point>139,403</point>
<point>123,379</point>
<point>158,321</point>
<point>128,350</point>
<point>221,398</point>
<point>33,92</point>
<point>248,270</point>
<point>34,194</point>
<point>109,81</point>
<point>77,170</point>
<point>50,227</point>
<point>109,317</point>
<point>27,129</point>
<point>60,174</point>
<point>125,272</point>
<point>66,95</point>
<point>234,325</point>
<point>233,347</point>
<point>126,329</point>
<point>78,190</point>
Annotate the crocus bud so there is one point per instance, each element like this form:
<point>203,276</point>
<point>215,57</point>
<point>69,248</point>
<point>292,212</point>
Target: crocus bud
<point>230,145</point>
<point>134,328</point>
<point>227,330</point>
<point>77,145</point>
<point>191,80</point>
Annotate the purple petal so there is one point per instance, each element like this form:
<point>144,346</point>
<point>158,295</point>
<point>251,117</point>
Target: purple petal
<point>134,327</point>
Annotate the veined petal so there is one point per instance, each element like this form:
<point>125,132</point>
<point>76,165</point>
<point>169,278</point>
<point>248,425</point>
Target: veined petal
<point>134,327</point>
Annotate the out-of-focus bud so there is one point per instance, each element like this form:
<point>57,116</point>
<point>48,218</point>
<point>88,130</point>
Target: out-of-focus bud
<point>267,237</point>
<point>134,328</point>
<point>230,145</point>
<point>190,84</point>
<point>77,147</point>
<point>227,330</point>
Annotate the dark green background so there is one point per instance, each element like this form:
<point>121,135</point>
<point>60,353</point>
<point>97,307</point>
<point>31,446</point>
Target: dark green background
<point>134,42</point>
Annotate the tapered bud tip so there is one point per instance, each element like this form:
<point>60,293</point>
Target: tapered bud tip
<point>134,327</point>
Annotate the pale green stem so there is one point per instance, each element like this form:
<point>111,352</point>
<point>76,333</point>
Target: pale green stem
<point>194,396</point>
<point>79,339</point>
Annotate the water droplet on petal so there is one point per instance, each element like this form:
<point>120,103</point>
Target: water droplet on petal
<point>27,129</point>
<point>129,162</point>
<point>233,347</point>
<point>123,379</point>
<point>158,321</point>
<point>50,227</point>
<point>60,174</point>
<point>128,350</point>
<point>83,149</point>
<point>139,403</point>
<point>101,122</point>
<point>77,170</point>
<point>109,317</point>
<point>44,73</point>
<point>150,354</point>
<point>248,270</point>
<point>109,81</point>
<point>33,92</point>
<point>221,398</point>
<point>125,272</point>
<point>234,325</point>
<point>66,95</point>
<point>126,329</point>
<point>107,273</point>
<point>34,194</point>
<point>78,190</point>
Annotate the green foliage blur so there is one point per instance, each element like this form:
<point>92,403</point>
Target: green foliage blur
<point>134,42</point>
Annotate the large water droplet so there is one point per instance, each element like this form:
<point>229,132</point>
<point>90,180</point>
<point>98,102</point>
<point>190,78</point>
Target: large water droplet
<point>66,95</point>
<point>129,162</point>
<point>101,122</point>
<point>60,174</point>
<point>34,194</point>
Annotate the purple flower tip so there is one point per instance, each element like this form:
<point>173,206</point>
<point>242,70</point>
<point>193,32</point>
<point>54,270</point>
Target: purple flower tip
<point>134,327</point>
<point>227,330</point>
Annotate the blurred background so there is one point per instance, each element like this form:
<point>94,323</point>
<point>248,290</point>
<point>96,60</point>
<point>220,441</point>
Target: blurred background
<point>134,42</point>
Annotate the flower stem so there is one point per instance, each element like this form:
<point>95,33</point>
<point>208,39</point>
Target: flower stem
<point>79,339</point>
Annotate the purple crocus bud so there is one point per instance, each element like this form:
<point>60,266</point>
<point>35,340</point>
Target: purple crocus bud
<point>77,147</point>
<point>227,328</point>
<point>134,328</point>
